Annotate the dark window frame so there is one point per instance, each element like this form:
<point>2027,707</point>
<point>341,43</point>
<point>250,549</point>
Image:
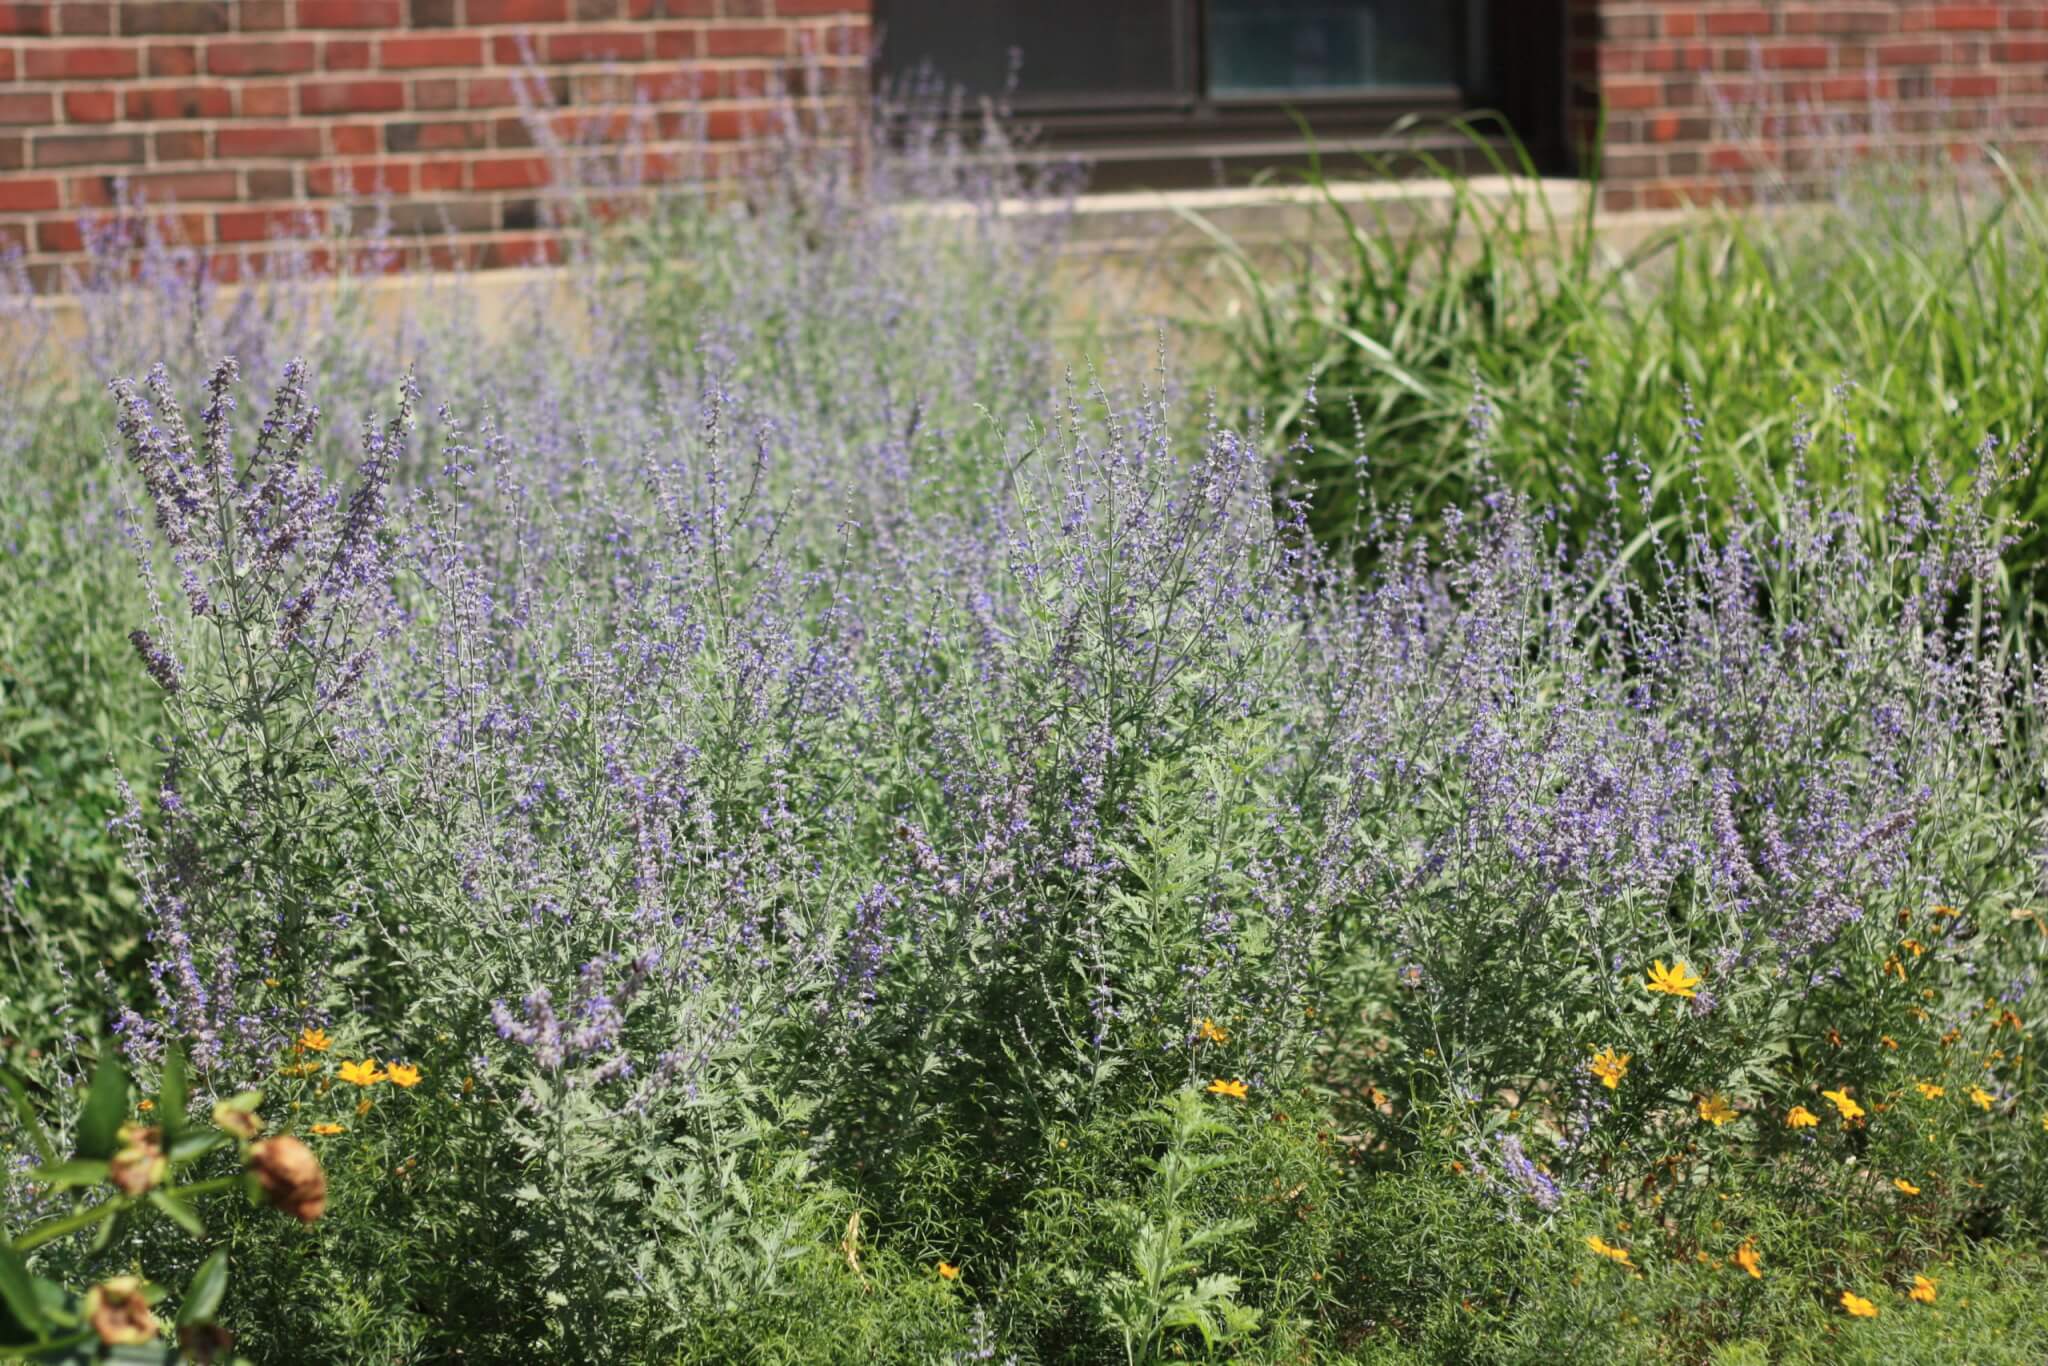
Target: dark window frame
<point>1190,136</point>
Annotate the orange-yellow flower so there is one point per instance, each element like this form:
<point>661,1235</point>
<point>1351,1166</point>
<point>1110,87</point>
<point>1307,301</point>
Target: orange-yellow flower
<point>328,1130</point>
<point>364,1073</point>
<point>1716,1110</point>
<point>1929,1091</point>
<point>1676,980</point>
<point>1905,1187</point>
<point>1610,1067</point>
<point>399,1074</point>
<point>315,1040</point>
<point>1799,1117</point>
<point>1211,1032</point>
<point>1923,1290</point>
<point>1844,1103</point>
<point>1982,1097</point>
<point>1857,1306</point>
<point>1746,1257</point>
<point>1220,1087</point>
<point>948,1272</point>
<point>1608,1250</point>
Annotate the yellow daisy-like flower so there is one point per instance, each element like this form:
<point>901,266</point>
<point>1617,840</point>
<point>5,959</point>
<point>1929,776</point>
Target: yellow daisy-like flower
<point>1610,1067</point>
<point>399,1074</point>
<point>1904,1186</point>
<point>1676,980</point>
<point>329,1130</point>
<point>1857,1306</point>
<point>1746,1257</point>
<point>364,1073</point>
<point>948,1272</point>
<point>1923,1290</point>
<point>1982,1097</point>
<point>1716,1110</point>
<point>1799,1117</point>
<point>315,1040</point>
<point>1602,1247</point>
<point>1210,1032</point>
<point>1929,1091</point>
<point>1844,1103</point>
<point>1234,1089</point>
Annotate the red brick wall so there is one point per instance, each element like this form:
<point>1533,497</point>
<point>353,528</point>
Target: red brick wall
<point>231,117</point>
<point>1732,99</point>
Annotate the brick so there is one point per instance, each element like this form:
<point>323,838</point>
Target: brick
<point>262,225</point>
<point>437,92</point>
<point>273,182</point>
<point>675,44</point>
<point>439,216</point>
<point>32,107</point>
<point>614,45</point>
<point>594,11</point>
<point>1797,56</point>
<point>508,173</point>
<point>85,19</point>
<point>59,234</point>
<point>353,139</point>
<point>271,140</point>
<point>497,92</point>
<point>1631,94</point>
<point>350,13</point>
<point>1949,18</point>
<point>6,63</point>
<point>266,101</point>
<point>173,59</point>
<point>172,16</point>
<point>404,54</point>
<point>263,57</point>
<point>768,40</point>
<point>345,54</point>
<point>439,175</point>
<point>442,136</point>
<point>351,97</point>
<point>263,16</point>
<point>30,20</point>
<point>179,103</point>
<point>87,149</point>
<point>360,178</point>
<point>1740,23</point>
<point>488,12</point>
<point>85,62</point>
<point>188,187</point>
<point>2020,50</point>
<point>1970,85</point>
<point>431,13</point>
<point>1907,54</point>
<point>90,106</point>
<point>28,196</point>
<point>183,145</point>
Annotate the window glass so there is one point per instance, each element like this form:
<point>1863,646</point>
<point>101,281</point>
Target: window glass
<point>1055,49</point>
<point>1277,47</point>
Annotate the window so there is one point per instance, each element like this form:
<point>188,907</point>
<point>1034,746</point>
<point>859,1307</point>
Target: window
<point>1158,91</point>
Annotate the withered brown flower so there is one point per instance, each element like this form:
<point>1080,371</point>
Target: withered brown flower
<point>291,1177</point>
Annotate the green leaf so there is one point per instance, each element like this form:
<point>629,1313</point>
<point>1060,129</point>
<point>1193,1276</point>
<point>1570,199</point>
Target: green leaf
<point>172,1096</point>
<point>18,1292</point>
<point>25,1109</point>
<point>195,1144</point>
<point>106,1105</point>
<point>178,1212</point>
<point>64,1175</point>
<point>204,1291</point>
